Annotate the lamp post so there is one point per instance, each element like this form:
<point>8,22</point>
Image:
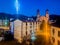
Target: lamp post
<point>33,37</point>
<point>6,22</point>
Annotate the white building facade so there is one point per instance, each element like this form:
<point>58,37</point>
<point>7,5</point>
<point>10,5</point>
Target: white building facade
<point>40,26</point>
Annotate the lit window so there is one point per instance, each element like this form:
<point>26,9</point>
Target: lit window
<point>5,22</point>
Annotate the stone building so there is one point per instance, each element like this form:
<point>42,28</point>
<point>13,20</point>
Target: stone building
<point>40,25</point>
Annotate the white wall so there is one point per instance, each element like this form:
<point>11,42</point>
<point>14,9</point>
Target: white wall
<point>17,30</point>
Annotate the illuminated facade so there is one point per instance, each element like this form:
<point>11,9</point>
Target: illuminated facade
<point>55,34</point>
<point>41,25</point>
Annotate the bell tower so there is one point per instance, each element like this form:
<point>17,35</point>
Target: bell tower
<point>47,14</point>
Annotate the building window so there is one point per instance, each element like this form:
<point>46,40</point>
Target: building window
<point>26,23</point>
<point>30,25</point>
<point>58,42</point>
<point>53,31</point>
<point>59,33</point>
<point>53,39</point>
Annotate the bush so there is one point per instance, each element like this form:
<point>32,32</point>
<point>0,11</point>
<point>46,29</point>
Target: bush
<point>8,36</point>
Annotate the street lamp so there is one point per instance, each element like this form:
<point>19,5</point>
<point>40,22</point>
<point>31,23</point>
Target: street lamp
<point>33,37</point>
<point>6,22</point>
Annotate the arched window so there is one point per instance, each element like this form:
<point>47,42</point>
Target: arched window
<point>53,39</point>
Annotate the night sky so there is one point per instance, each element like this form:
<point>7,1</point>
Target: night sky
<point>29,7</point>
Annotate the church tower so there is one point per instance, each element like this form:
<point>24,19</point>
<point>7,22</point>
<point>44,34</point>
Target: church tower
<point>47,14</point>
<point>47,27</point>
<point>38,15</point>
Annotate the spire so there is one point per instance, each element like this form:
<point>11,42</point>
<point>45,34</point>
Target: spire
<point>47,13</point>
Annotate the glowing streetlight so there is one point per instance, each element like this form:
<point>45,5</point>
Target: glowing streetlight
<point>6,22</point>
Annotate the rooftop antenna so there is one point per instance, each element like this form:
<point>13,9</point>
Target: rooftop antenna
<point>17,6</point>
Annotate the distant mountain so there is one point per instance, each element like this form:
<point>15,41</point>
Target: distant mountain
<point>54,17</point>
<point>4,15</point>
<point>24,18</point>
